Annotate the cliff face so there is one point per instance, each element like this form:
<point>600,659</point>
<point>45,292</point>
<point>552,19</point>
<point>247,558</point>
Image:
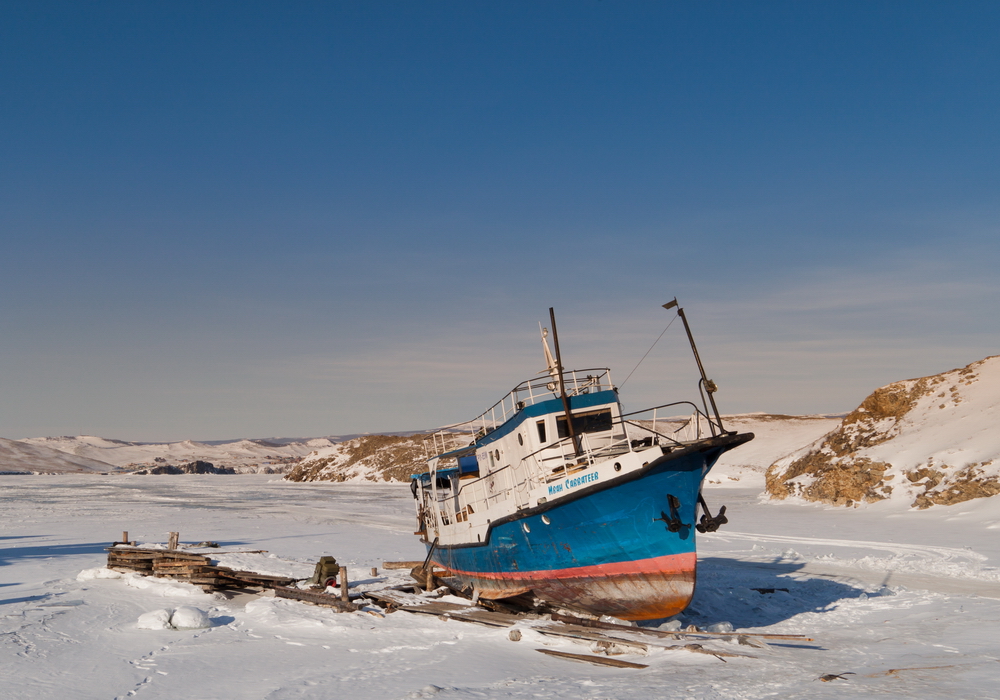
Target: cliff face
<point>933,441</point>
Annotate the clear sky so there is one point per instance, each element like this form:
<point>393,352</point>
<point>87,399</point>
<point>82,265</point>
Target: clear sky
<point>253,219</point>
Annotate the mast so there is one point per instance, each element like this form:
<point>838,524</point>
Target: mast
<point>562,386</point>
<point>710,386</point>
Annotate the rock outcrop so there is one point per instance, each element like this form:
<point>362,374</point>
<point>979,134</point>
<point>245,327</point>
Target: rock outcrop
<point>932,441</point>
<point>196,467</point>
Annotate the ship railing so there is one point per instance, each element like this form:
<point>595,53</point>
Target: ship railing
<point>700,423</point>
<point>536,469</point>
<point>532,391</point>
<point>527,393</point>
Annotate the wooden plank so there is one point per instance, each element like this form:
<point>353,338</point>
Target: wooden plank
<point>582,633</point>
<point>396,598</point>
<point>435,608</point>
<point>164,563</point>
<point>587,622</point>
<point>591,636</point>
<point>183,556</point>
<point>182,572</point>
<point>324,599</point>
<point>257,579</point>
<point>462,613</point>
<point>590,659</point>
<point>401,564</point>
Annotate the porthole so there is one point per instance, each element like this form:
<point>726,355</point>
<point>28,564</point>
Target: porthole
<point>618,466</point>
<point>520,439</point>
<point>525,527</point>
<point>545,519</point>
<point>497,455</point>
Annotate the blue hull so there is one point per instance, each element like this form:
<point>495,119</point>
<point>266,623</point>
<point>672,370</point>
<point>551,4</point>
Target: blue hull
<point>607,549</point>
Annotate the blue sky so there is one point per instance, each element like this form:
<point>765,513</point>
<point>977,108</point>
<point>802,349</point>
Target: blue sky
<point>259,219</point>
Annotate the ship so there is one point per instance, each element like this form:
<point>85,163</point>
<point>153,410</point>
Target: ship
<point>556,494</point>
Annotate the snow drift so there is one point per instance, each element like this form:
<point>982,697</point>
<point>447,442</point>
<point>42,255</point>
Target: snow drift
<point>932,440</point>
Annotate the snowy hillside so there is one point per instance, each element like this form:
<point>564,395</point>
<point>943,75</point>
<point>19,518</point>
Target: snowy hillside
<point>21,458</point>
<point>928,441</point>
<point>267,456</point>
<point>775,436</point>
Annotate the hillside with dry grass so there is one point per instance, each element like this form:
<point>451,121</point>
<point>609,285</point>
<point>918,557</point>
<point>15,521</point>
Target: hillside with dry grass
<point>931,441</point>
<point>366,458</point>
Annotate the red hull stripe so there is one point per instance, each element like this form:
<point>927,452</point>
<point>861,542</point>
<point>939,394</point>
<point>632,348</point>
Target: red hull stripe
<point>672,564</point>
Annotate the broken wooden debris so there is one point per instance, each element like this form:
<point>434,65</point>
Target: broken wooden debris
<point>255,579</point>
<point>598,624</point>
<point>396,597</point>
<point>568,631</point>
<point>591,635</point>
<point>466,613</point>
<point>124,540</point>
<point>836,676</point>
<point>589,659</point>
<point>189,567</point>
<point>315,597</point>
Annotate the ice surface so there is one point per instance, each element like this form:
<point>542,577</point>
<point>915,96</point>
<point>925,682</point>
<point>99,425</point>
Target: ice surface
<point>925,626</point>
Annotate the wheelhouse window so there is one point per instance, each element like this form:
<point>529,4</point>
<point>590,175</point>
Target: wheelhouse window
<point>592,422</point>
<point>541,431</point>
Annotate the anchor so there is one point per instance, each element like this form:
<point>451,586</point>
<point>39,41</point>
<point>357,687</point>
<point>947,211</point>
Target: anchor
<point>673,522</point>
<point>707,522</point>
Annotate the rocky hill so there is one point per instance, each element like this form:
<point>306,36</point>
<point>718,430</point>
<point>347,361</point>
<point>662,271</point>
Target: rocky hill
<point>930,441</point>
<point>365,458</point>
<point>774,437</point>
<point>17,457</point>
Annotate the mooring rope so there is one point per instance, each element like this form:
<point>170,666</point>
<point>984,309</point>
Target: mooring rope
<point>648,351</point>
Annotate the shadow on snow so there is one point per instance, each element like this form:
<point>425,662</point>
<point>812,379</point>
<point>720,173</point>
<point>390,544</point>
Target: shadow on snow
<point>760,594</point>
<point>8,554</point>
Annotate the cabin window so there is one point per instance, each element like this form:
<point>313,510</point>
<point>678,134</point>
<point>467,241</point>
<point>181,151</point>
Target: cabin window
<point>593,422</point>
<point>541,431</point>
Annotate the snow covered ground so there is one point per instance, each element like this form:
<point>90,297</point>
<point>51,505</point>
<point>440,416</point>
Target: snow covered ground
<point>901,603</point>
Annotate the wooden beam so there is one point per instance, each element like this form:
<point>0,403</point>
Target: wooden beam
<point>590,659</point>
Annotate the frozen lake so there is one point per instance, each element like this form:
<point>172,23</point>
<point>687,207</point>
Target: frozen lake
<point>902,603</point>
